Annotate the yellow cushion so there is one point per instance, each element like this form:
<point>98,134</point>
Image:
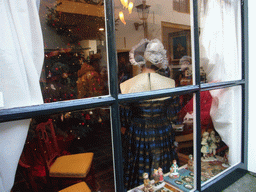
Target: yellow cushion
<point>79,187</point>
<point>76,166</point>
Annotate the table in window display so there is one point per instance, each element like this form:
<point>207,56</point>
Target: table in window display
<point>163,186</point>
<point>184,182</point>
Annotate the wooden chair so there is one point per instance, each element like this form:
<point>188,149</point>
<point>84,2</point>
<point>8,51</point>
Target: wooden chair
<point>25,172</point>
<point>26,168</point>
<point>185,141</point>
<point>75,166</point>
<point>79,187</point>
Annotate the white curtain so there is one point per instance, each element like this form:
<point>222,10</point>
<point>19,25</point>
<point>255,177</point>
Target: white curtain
<point>220,52</point>
<point>21,59</point>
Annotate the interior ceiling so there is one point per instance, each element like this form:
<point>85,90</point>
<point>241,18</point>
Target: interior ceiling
<point>82,18</point>
<point>83,26</point>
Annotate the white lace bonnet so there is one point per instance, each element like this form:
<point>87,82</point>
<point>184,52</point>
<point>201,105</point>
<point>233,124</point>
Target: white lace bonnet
<point>152,51</point>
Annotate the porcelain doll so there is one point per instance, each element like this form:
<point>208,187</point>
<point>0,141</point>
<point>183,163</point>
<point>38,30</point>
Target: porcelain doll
<point>156,177</point>
<point>212,143</point>
<point>205,146</point>
<point>190,162</point>
<point>160,173</point>
<point>147,185</point>
<point>174,173</point>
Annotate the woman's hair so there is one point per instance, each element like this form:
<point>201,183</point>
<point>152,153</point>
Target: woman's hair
<point>149,51</point>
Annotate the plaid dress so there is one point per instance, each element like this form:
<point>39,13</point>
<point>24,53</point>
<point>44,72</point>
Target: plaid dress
<point>148,142</point>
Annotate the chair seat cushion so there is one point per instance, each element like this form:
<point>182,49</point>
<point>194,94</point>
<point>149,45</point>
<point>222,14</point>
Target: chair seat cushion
<point>79,187</point>
<point>77,165</point>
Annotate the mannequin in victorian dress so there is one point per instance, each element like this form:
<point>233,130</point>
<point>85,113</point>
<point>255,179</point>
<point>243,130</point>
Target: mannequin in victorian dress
<point>149,138</point>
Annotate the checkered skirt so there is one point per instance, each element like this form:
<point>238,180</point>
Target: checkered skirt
<point>149,139</point>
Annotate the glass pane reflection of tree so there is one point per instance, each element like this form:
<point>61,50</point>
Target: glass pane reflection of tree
<point>75,61</point>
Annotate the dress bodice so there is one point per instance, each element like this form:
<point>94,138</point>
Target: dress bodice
<point>151,113</point>
<point>150,110</point>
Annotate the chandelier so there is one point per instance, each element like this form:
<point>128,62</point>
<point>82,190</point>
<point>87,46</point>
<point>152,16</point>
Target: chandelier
<point>126,5</point>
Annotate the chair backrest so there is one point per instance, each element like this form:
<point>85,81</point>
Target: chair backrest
<point>47,143</point>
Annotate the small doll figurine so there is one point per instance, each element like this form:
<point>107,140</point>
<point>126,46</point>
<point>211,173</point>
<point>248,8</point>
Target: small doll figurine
<point>146,179</point>
<point>156,177</point>
<point>205,146</point>
<point>190,162</point>
<point>160,173</point>
<point>212,143</point>
<point>174,170</point>
<point>147,185</point>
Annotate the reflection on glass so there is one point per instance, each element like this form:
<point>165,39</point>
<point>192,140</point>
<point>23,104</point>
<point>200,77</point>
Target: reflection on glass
<point>221,130</point>
<point>75,64</point>
<point>168,22</point>
<point>83,136</point>
<point>220,40</point>
<point>157,138</point>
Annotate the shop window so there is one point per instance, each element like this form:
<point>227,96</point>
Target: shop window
<point>141,147</point>
<point>163,92</point>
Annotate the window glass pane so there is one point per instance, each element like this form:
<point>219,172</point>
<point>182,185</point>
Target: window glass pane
<point>221,130</point>
<point>75,64</point>
<point>83,134</point>
<point>139,53</point>
<point>154,134</point>
<point>220,40</point>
